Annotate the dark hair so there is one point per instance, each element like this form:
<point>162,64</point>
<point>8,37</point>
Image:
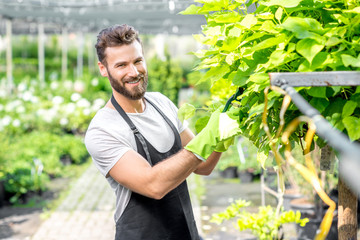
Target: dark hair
<point>116,35</point>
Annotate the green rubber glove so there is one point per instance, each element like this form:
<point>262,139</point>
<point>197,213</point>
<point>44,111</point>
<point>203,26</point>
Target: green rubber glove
<point>221,127</point>
<point>224,145</point>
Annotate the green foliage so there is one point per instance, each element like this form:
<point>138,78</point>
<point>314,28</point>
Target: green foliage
<point>31,159</point>
<point>165,76</point>
<point>280,36</point>
<point>264,224</point>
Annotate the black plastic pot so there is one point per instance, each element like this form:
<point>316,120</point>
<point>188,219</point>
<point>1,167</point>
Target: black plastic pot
<point>246,176</point>
<point>308,232</point>
<point>229,172</point>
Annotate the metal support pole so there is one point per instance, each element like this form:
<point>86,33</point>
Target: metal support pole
<point>64,52</point>
<point>9,63</point>
<point>349,151</point>
<point>80,53</point>
<point>41,53</point>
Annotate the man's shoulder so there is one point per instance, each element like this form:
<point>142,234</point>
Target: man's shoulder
<point>158,98</point>
<point>103,118</point>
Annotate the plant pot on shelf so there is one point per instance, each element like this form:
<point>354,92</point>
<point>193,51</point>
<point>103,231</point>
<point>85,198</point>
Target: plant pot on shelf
<point>229,172</point>
<point>289,195</point>
<point>308,210</point>
<point>246,175</point>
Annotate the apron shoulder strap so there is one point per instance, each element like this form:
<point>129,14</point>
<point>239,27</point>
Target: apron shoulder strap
<point>132,127</point>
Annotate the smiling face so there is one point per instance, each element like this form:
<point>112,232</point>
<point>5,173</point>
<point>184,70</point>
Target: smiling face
<point>126,70</point>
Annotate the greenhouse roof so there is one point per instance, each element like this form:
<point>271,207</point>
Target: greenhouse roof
<point>148,16</point>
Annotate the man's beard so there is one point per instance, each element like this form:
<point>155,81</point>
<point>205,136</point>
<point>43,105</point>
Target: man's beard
<point>139,91</point>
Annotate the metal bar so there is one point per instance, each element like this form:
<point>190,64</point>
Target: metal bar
<point>349,151</point>
<point>9,58</point>
<point>301,79</point>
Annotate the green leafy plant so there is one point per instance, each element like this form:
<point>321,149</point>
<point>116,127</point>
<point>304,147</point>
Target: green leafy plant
<point>264,224</point>
<point>280,36</point>
<point>165,76</point>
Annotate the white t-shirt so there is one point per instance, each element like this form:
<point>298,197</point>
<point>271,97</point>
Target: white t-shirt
<point>109,137</point>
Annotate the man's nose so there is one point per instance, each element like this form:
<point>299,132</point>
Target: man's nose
<point>133,71</point>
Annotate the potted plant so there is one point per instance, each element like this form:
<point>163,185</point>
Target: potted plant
<point>265,224</point>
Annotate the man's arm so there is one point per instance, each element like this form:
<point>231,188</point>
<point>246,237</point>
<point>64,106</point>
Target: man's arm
<point>205,168</point>
<point>135,173</point>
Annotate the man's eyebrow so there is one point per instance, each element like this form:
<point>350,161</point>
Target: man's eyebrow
<point>120,63</point>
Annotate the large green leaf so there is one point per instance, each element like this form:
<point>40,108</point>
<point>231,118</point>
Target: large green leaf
<point>349,108</point>
<point>352,125</point>
<point>319,103</point>
<point>308,48</point>
<point>186,111</point>
<point>215,73</point>
<point>249,21</point>
<point>270,42</point>
<point>350,60</point>
<point>192,10</point>
<point>303,27</point>
<point>227,17</point>
<point>201,123</point>
<point>319,92</point>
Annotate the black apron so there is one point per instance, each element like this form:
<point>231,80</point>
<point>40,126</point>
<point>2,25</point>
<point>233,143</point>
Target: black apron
<point>170,218</point>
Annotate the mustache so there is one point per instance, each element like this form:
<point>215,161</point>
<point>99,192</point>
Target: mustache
<point>131,79</point>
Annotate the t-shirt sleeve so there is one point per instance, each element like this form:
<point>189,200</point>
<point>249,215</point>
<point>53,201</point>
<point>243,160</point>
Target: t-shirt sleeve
<point>105,149</point>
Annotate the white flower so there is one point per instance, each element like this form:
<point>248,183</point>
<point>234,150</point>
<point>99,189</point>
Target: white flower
<point>83,103</point>
<point>70,108</point>
<point>68,84</point>
<point>22,87</point>
<point>49,115</point>
<point>86,111</point>
<point>79,86</point>
<point>57,100</point>
<point>16,123</point>
<point>54,85</point>
<point>6,120</point>
<point>64,121</point>
<point>20,109</point>
<point>12,105</point>
<point>34,99</point>
<point>26,96</point>
<point>97,104</point>
<point>95,82</point>
<point>75,96</point>
<point>3,93</point>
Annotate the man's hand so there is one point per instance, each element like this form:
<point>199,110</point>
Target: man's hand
<point>217,135</point>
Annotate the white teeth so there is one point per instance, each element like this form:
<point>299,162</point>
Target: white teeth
<point>134,81</point>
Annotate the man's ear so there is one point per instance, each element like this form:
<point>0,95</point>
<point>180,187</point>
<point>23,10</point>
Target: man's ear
<point>103,69</point>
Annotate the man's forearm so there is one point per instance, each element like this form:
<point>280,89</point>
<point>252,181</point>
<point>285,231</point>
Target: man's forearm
<point>173,171</point>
